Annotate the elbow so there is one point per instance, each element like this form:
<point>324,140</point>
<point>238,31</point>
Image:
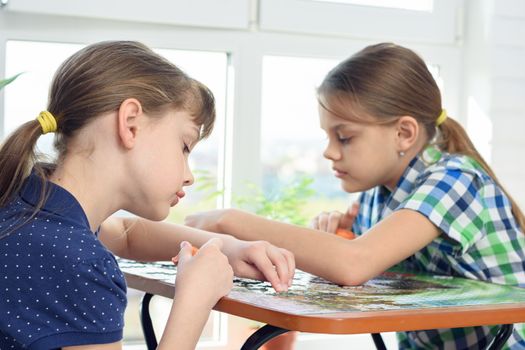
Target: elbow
<point>350,280</point>
<point>346,275</point>
<point>352,268</point>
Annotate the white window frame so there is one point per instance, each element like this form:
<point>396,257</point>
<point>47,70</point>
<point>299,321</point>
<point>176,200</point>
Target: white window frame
<point>200,13</point>
<point>333,18</point>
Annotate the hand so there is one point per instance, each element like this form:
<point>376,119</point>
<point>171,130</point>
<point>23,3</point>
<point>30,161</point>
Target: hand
<point>206,220</point>
<point>205,277</point>
<point>262,261</point>
<point>330,222</point>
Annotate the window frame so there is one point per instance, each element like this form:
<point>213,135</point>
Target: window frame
<point>442,25</point>
<point>233,13</point>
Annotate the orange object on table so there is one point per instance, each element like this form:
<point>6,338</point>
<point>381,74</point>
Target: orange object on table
<point>341,232</point>
<point>175,259</point>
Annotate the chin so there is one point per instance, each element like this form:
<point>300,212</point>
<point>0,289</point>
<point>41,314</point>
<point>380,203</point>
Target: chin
<point>352,187</point>
<point>156,215</point>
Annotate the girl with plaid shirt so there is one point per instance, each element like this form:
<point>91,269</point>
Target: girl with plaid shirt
<point>429,202</point>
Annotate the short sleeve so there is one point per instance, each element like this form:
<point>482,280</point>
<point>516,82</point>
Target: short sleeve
<point>84,304</point>
<point>452,200</point>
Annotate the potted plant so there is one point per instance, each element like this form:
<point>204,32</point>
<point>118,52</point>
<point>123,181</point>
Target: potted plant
<point>4,82</point>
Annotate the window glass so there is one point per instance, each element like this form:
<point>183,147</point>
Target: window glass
<point>292,143</point>
<point>27,95</point>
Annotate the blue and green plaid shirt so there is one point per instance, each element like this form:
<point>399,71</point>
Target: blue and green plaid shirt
<point>480,238</point>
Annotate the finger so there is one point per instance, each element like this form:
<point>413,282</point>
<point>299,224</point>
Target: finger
<point>266,267</point>
<point>353,210</point>
<point>348,219</point>
<point>314,223</point>
<point>323,221</point>
<point>184,254</point>
<point>281,266</point>
<point>334,219</point>
<point>291,265</point>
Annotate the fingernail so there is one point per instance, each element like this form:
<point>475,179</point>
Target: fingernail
<point>184,244</point>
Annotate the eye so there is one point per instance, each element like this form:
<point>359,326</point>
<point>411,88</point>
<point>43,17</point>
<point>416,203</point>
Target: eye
<point>343,140</point>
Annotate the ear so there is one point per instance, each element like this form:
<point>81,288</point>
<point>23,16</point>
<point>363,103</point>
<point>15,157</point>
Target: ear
<point>129,117</point>
<point>408,130</point>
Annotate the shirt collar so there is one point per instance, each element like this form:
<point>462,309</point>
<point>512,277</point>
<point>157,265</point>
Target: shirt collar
<point>406,184</point>
<point>58,202</point>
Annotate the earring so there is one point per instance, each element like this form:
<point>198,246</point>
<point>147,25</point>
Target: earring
<point>401,153</point>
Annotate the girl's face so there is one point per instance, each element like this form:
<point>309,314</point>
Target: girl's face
<point>162,163</point>
<point>363,155</point>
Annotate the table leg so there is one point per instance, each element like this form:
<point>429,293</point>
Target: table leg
<point>261,336</point>
<point>147,325</point>
<point>501,338</point>
<point>378,341</point>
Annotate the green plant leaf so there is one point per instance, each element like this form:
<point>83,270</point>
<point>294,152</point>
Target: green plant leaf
<point>284,203</point>
<point>4,82</point>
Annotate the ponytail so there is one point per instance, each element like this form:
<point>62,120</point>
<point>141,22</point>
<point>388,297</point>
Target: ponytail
<point>17,158</point>
<point>454,139</point>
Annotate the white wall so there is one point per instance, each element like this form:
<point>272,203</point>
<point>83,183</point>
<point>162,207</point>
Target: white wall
<point>494,56</point>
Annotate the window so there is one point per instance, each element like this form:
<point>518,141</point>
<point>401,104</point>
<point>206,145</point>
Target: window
<point>27,96</point>
<point>233,13</point>
<point>292,143</point>
<point>353,19</point>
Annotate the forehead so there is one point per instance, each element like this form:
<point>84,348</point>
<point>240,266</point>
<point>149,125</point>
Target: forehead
<point>184,121</point>
<point>340,109</point>
<point>329,120</point>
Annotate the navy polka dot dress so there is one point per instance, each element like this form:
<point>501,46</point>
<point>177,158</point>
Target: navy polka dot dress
<point>59,286</point>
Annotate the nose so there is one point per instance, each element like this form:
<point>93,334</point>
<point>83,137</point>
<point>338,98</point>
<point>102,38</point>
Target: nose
<point>188,176</point>
<point>332,152</point>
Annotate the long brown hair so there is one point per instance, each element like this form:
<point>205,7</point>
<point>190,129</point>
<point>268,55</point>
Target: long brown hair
<point>95,81</point>
<point>387,81</point>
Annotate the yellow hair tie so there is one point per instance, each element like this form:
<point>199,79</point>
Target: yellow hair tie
<point>47,121</point>
<point>442,117</point>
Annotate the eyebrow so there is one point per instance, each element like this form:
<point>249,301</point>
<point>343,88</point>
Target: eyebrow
<point>346,127</point>
<point>194,132</point>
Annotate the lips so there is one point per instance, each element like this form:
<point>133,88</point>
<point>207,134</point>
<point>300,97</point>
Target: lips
<point>179,195</point>
<point>339,173</point>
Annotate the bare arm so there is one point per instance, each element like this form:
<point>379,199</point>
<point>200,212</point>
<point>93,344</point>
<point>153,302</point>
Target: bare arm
<point>144,240</point>
<point>111,346</point>
<point>342,261</point>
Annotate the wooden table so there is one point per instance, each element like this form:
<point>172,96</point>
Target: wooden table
<point>394,301</point>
